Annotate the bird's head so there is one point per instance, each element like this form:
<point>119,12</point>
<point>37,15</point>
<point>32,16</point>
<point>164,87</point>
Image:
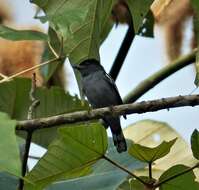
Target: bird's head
<point>88,66</point>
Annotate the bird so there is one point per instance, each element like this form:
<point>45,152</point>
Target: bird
<point>101,91</point>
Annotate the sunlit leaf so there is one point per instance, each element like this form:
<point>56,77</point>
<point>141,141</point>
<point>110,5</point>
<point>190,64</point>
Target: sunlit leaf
<point>195,143</point>
<point>69,156</point>
<point>139,10</point>
<point>182,182</point>
<point>9,159</point>
<point>152,133</point>
<point>147,154</point>
<point>16,35</point>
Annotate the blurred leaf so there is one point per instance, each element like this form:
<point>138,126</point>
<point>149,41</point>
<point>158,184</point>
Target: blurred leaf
<point>139,10</point>
<point>105,176</point>
<point>152,133</point>
<point>150,155</point>
<point>14,100</point>
<point>8,182</point>
<point>195,143</point>
<point>182,182</point>
<point>16,35</point>
<point>81,24</point>
<point>146,29</point>
<point>195,5</point>
<point>9,159</point>
<point>77,147</point>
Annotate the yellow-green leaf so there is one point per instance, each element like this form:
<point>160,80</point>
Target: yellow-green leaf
<point>147,154</point>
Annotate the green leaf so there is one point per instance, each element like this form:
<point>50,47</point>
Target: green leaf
<point>14,100</point>
<point>77,147</point>
<point>149,155</point>
<point>49,71</point>
<point>105,176</point>
<point>195,5</point>
<point>195,143</point>
<point>16,35</point>
<point>8,182</point>
<point>139,9</point>
<point>182,182</point>
<point>81,24</point>
<point>9,159</point>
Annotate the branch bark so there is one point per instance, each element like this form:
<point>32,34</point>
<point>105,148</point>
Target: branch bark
<point>142,107</point>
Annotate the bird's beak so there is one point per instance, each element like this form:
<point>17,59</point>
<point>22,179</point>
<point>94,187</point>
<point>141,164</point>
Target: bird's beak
<point>75,66</point>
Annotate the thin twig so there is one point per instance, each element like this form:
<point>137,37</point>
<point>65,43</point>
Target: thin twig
<point>30,116</point>
<point>157,77</point>
<point>125,170</point>
<point>79,116</point>
<point>158,184</point>
<point>34,157</point>
<point>29,69</point>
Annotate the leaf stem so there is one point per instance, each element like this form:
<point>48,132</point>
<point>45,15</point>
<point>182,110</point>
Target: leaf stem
<point>30,69</point>
<point>150,170</point>
<point>125,170</point>
<point>158,184</point>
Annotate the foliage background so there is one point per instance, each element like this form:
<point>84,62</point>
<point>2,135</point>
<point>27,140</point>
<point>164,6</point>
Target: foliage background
<point>184,120</point>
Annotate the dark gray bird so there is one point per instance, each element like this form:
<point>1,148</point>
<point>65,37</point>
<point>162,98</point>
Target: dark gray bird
<point>101,91</point>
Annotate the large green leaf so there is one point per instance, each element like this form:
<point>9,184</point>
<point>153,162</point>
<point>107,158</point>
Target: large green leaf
<point>81,23</point>
<point>182,182</point>
<point>9,159</point>
<point>16,35</point>
<point>77,147</point>
<point>105,176</point>
<point>139,10</point>
<point>14,100</point>
<point>195,4</point>
<point>195,143</point>
<point>147,154</point>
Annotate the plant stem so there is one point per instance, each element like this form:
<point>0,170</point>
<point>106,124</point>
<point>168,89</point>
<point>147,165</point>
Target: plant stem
<point>158,184</point>
<point>150,170</point>
<point>157,77</point>
<point>125,170</point>
<point>119,60</point>
<point>25,159</point>
<point>79,116</point>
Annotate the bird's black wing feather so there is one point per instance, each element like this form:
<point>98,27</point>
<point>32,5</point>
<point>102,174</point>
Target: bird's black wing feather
<point>112,85</point>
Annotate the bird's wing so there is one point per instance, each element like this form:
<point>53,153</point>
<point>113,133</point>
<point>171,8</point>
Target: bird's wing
<point>112,85</point>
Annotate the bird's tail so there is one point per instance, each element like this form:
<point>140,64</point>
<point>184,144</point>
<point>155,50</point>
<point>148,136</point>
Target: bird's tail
<point>119,141</point>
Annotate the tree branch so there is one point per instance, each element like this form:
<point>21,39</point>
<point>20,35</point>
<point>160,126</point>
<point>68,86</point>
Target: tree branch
<point>157,77</point>
<point>142,107</point>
